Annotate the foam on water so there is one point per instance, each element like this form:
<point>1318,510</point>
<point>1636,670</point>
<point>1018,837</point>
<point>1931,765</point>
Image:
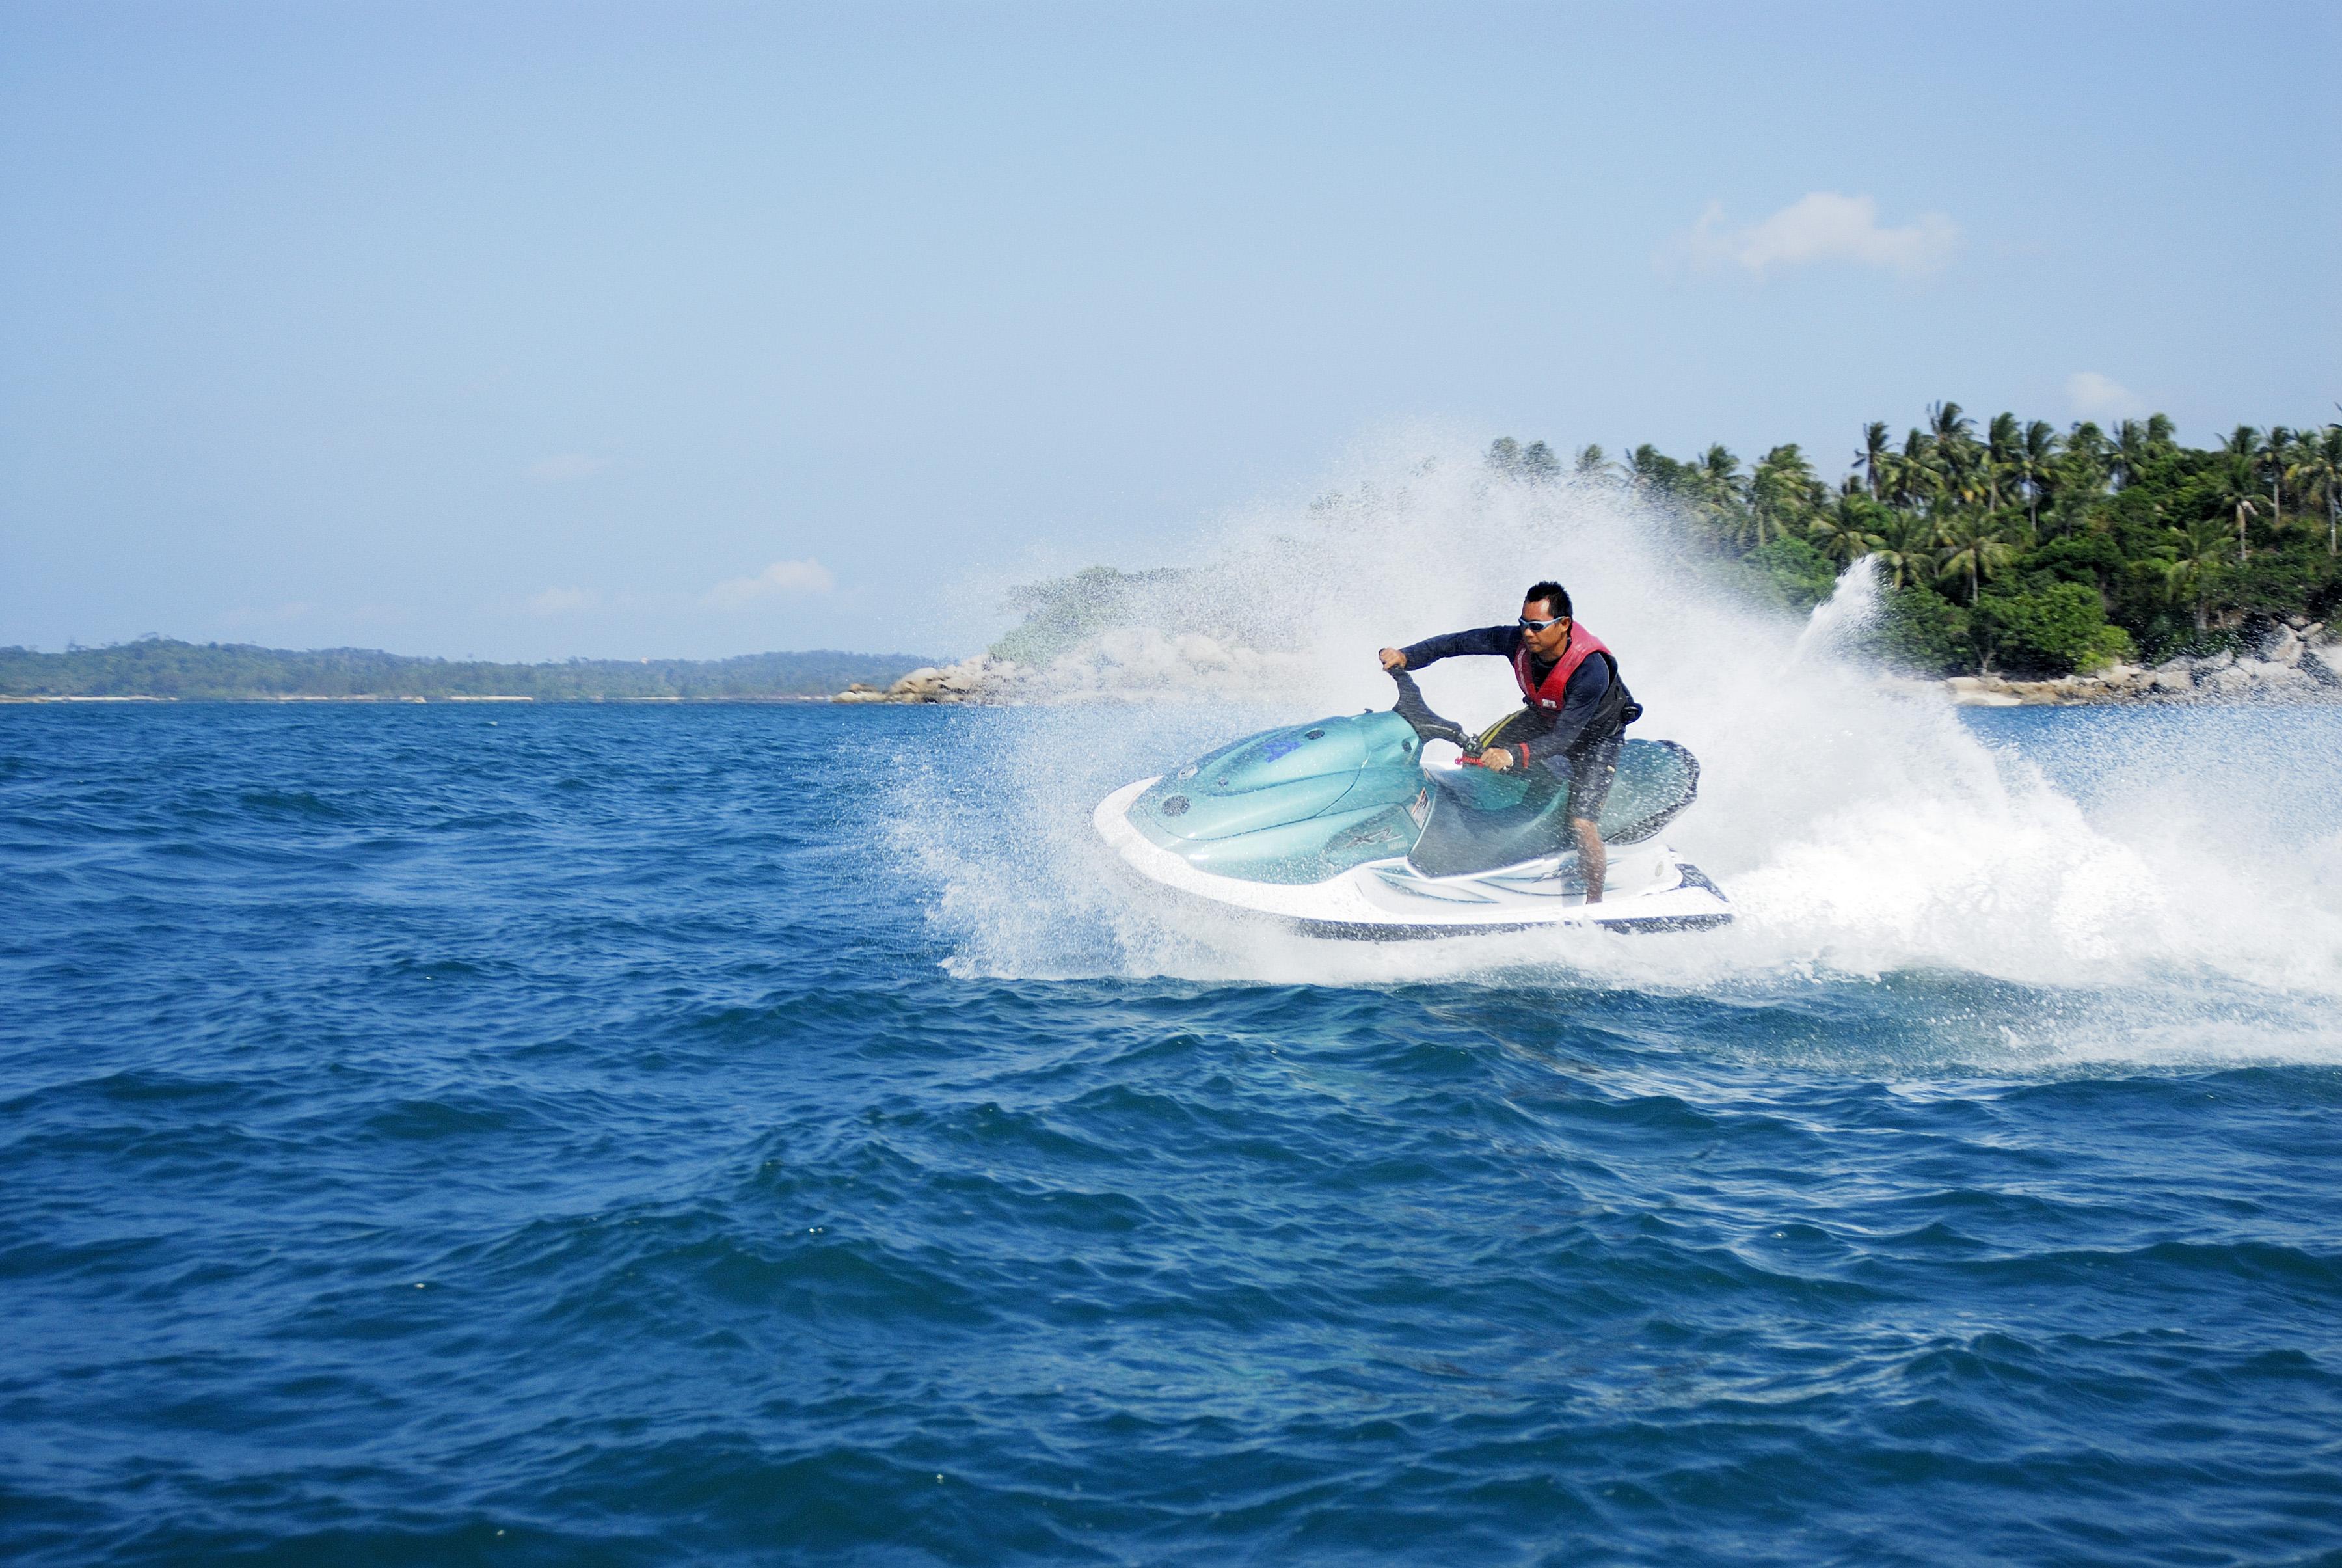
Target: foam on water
<point>2183,861</point>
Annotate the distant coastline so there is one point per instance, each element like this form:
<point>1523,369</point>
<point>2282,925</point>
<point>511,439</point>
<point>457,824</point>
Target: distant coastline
<point>163,670</point>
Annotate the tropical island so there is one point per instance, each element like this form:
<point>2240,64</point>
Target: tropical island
<point>161,667</point>
<point>2018,547</point>
<point>2018,562</point>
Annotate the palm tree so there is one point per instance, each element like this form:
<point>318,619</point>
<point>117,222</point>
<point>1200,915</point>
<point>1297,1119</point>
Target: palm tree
<point>1845,531</point>
<point>2239,490</point>
<point>2191,563</point>
<point>2034,468</point>
<point>1593,463</point>
<point>2002,448</point>
<point>1912,473</point>
<point>2271,454</point>
<point>2134,442</point>
<point>1715,478</point>
<point>2083,470</point>
<point>1972,547</point>
<point>1538,465</point>
<point>1783,491</point>
<point>1948,425</point>
<point>1875,449</point>
<point>1648,468</point>
<point>2316,474</point>
<point>1906,547</point>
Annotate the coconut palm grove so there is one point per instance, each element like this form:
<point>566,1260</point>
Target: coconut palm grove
<point>2015,546</point>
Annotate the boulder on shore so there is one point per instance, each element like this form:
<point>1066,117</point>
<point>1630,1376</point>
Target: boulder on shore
<point>969,681</point>
<point>2298,663</point>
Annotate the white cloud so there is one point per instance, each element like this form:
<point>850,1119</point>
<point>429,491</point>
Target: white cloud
<point>568,466</point>
<point>1821,227</point>
<point>2099,396</point>
<point>804,577</point>
<point>564,600</point>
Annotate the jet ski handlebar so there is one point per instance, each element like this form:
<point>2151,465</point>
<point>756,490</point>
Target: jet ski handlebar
<point>1428,725</point>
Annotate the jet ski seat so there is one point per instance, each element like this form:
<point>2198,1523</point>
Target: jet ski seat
<point>1481,820</point>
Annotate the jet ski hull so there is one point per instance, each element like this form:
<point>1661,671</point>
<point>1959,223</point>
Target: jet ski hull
<point>1647,888</point>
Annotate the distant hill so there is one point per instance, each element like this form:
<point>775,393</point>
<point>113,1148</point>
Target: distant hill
<point>237,673</point>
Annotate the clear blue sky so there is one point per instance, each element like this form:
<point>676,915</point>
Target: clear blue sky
<point>531,330</point>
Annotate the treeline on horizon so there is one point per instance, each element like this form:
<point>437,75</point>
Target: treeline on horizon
<point>230,672</point>
<point>2016,547</point>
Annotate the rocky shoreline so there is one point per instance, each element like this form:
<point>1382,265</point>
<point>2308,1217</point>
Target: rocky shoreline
<point>2299,661</point>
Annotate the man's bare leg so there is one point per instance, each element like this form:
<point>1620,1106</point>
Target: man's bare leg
<point>1592,858</point>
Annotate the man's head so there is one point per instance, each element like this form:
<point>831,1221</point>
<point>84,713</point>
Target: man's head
<point>1544,618</point>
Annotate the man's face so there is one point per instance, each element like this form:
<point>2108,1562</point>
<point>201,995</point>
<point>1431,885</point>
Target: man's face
<point>1548,643</point>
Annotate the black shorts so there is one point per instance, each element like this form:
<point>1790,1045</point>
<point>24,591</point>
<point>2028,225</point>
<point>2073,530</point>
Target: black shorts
<point>1588,770</point>
<point>1591,773</point>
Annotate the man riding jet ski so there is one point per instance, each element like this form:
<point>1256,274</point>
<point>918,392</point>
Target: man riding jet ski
<point>1346,827</point>
<point>1577,712</point>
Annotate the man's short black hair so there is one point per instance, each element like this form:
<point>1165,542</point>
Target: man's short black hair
<point>1556,598</point>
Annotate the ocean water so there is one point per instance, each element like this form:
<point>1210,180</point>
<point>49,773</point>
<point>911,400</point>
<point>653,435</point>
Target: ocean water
<point>584,1135</point>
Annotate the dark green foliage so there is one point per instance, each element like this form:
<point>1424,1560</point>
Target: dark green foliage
<point>2093,559</point>
<point>157,666</point>
<point>2052,630</point>
<point>1790,573</point>
<point>2011,544</point>
<point>1921,631</point>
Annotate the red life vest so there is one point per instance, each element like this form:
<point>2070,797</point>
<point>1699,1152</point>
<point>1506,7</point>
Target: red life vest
<point>1547,694</point>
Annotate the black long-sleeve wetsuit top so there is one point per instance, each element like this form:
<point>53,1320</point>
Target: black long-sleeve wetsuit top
<point>1588,683</point>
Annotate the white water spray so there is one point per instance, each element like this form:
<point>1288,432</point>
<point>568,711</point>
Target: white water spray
<point>1860,827</point>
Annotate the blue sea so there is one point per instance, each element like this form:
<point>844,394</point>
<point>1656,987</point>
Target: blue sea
<point>577,1135</point>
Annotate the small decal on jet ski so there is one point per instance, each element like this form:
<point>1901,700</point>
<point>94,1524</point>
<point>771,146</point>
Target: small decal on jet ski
<point>1420,807</point>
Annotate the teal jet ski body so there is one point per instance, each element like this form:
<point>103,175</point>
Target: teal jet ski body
<point>1344,827</point>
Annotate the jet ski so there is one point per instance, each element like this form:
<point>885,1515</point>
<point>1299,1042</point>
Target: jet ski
<point>1344,828</point>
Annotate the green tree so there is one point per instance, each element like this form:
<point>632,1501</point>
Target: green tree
<point>1791,573</point>
<point>1919,629</point>
<point>1716,490</point>
<point>1782,492</point>
<point>1969,545</point>
<point>2134,445</point>
<point>2239,490</point>
<point>1876,450</point>
<point>1948,425</point>
<point>1652,471</point>
<point>1593,463</point>
<point>2271,455</point>
<point>2191,565</point>
<point>1915,477</point>
<point>2316,472</point>
<point>2004,444</point>
<point>2036,459</point>
<point>1847,529</point>
<point>1905,549</point>
<point>2050,630</point>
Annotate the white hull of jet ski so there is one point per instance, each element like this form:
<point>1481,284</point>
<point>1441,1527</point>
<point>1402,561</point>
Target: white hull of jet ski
<point>1646,889</point>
